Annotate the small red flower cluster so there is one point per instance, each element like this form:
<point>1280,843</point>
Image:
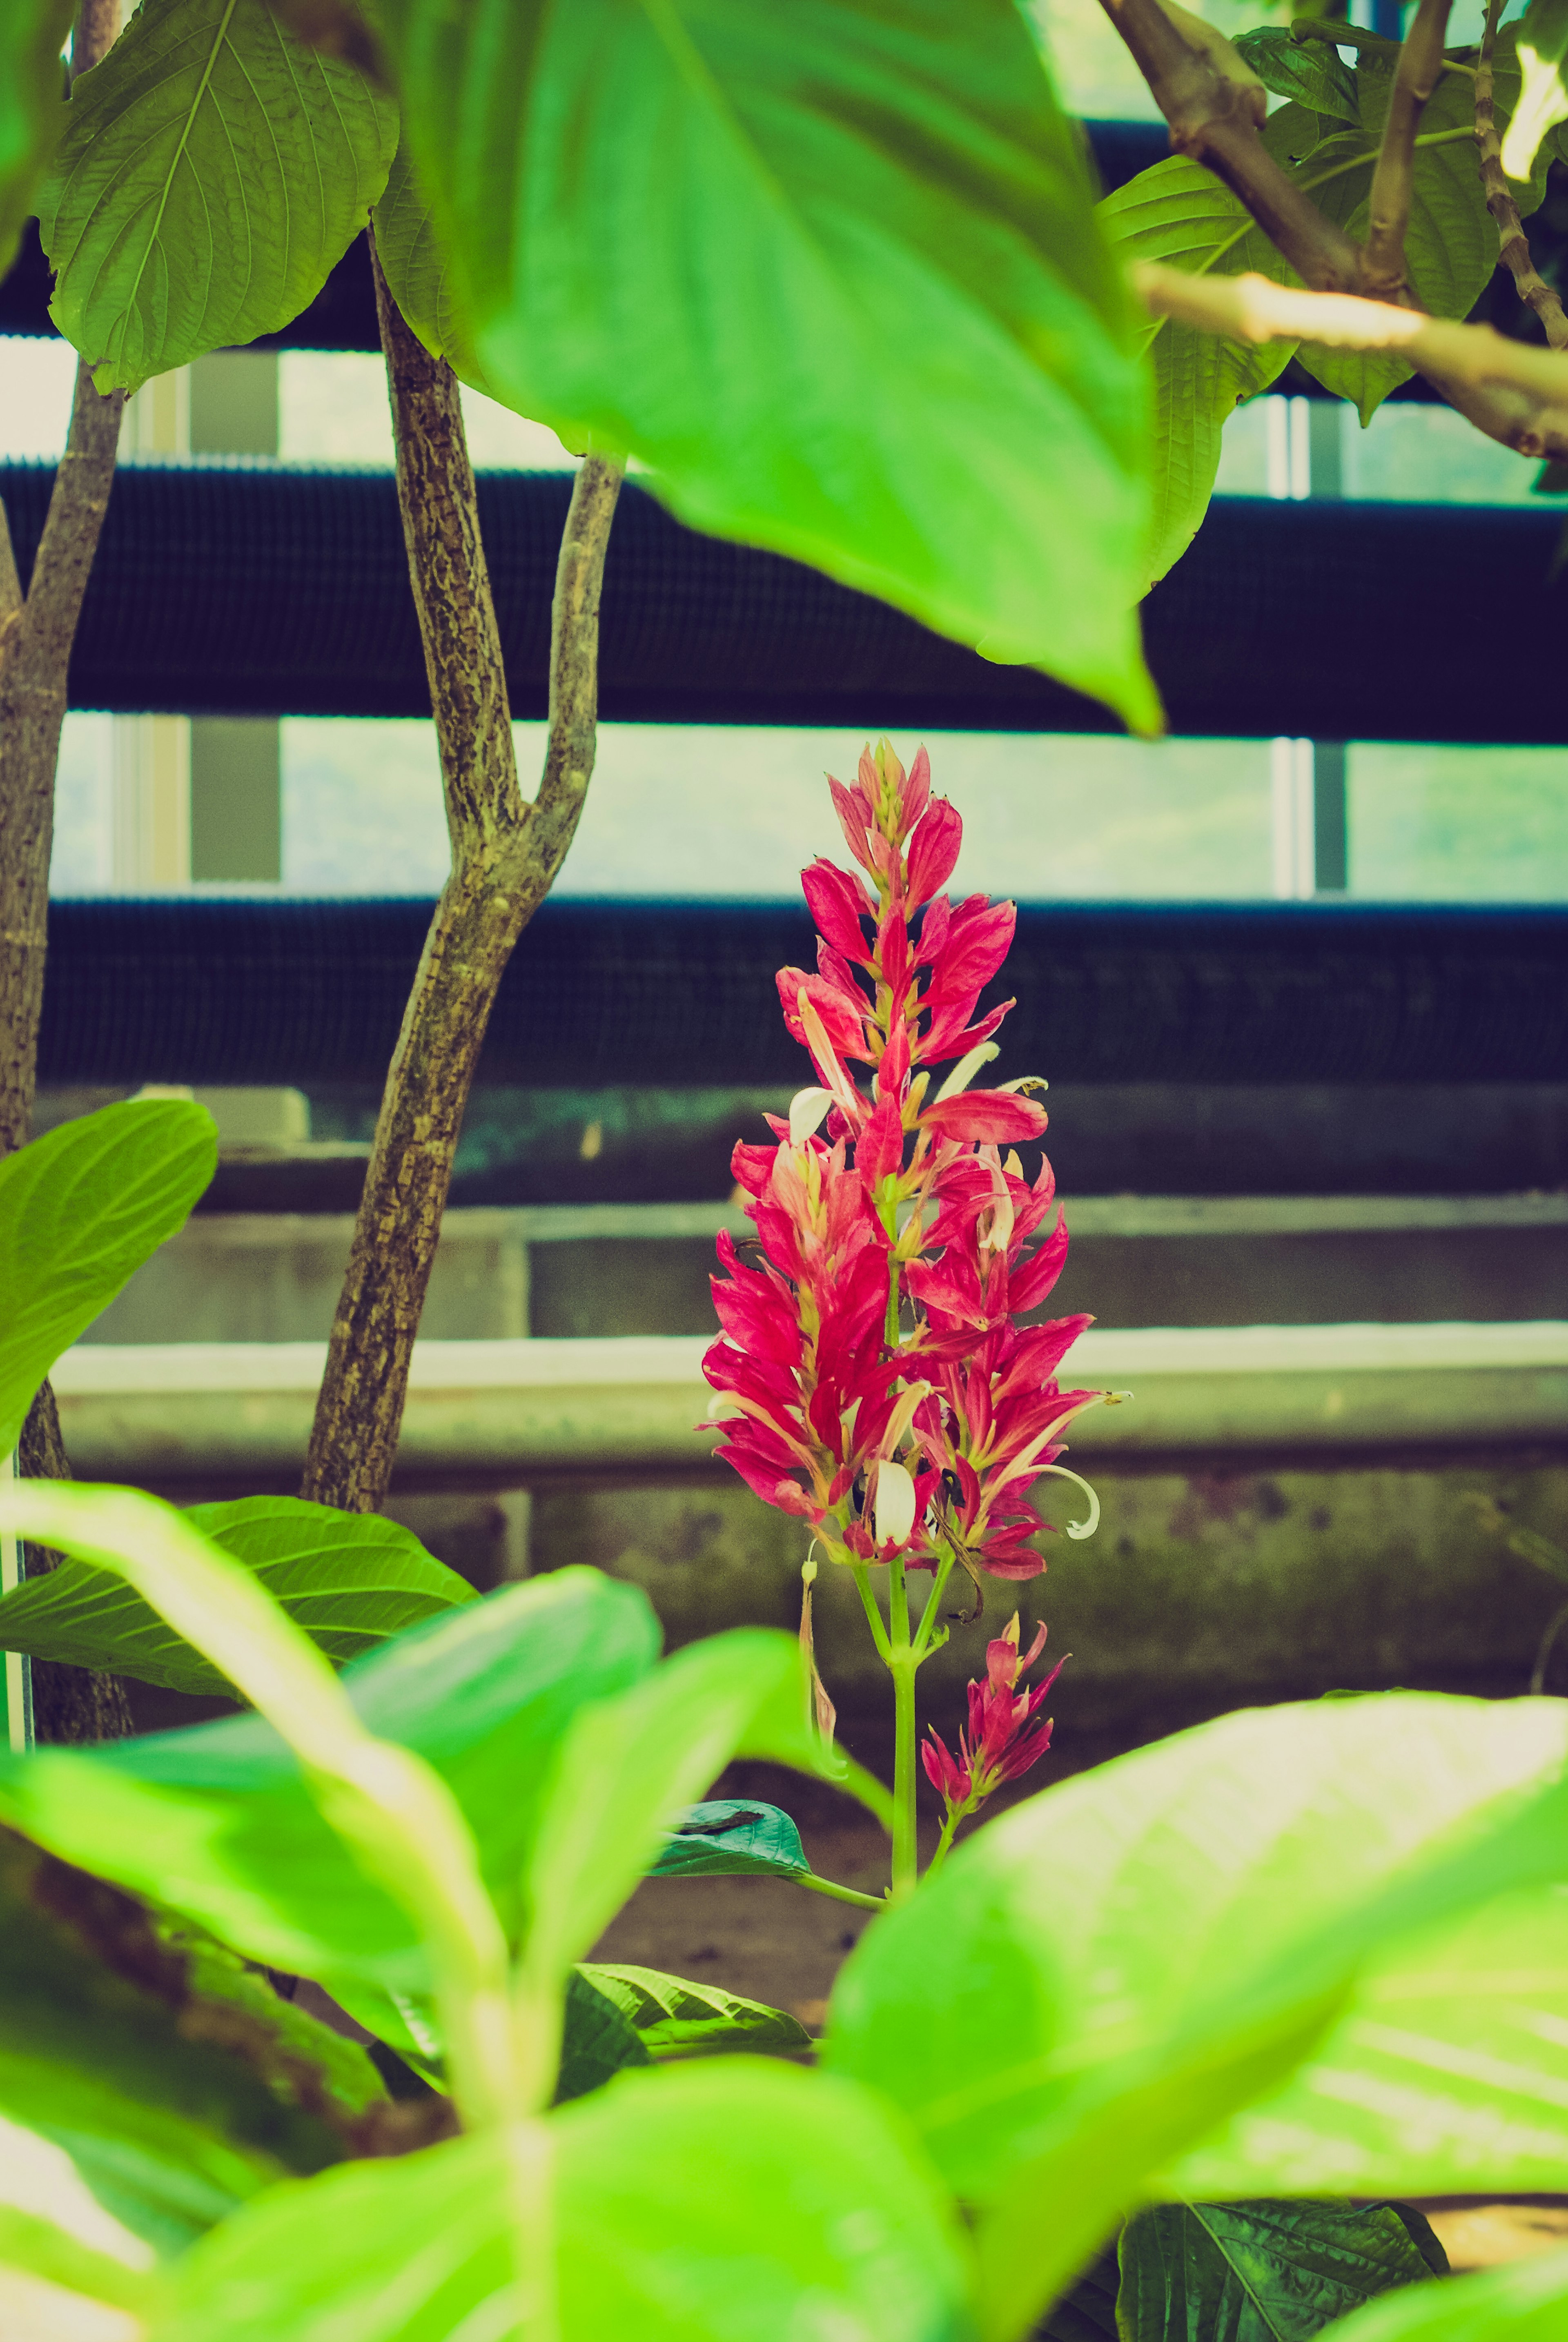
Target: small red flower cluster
<point>1003,1740</point>
<point>910,1431</point>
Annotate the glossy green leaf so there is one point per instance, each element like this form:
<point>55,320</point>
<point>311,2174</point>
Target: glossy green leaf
<point>729,1836</point>
<point>831,271</point>
<point>1446,2072</point>
<point>217,1821</point>
<point>349,1580</point>
<point>1262,2272</point>
<point>212,171</point>
<point>1130,1956</point>
<point>599,2038</point>
<point>676,2018</point>
<point>1313,73</point>
<point>32,106</point>
<point>80,1210</point>
<point>816,2221</point>
<point>1542,39</point>
<point>148,2084</point>
<point>1524,2301</point>
<point>419,275</point>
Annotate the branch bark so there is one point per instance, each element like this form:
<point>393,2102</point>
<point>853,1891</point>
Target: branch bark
<point>1514,247</point>
<point>506,853</point>
<point>36,632</point>
<point>1419,69</point>
<point>1214,119</point>
<point>1522,391</point>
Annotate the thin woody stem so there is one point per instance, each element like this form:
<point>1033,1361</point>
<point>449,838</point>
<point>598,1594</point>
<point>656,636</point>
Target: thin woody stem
<point>1213,120</point>
<point>1513,248</point>
<point>1516,393</point>
<point>1394,181</point>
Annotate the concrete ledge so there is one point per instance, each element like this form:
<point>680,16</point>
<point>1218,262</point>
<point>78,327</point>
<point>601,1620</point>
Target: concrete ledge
<point>188,1410</point>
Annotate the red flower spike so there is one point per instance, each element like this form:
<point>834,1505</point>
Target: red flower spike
<point>933,851</point>
<point>1003,1740</point>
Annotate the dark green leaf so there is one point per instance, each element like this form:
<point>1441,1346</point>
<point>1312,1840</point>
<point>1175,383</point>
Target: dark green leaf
<point>831,271</point>
<point>1312,71</point>
<point>676,2018</point>
<point>149,2084</point>
<point>600,2038</point>
<point>32,106</point>
<point>1524,2301</point>
<point>714,2203</point>
<point>212,171</point>
<point>80,1210</point>
<point>351,1580</point>
<point>1258,2272</point>
<point>1086,2312</point>
<point>1117,1965</point>
<point>731,1835</point>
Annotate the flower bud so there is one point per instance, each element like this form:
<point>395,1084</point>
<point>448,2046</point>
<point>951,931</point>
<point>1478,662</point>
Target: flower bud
<point>894,1506</point>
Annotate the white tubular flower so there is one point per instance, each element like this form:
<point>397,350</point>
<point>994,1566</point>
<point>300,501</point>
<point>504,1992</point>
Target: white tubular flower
<point>895,1504</point>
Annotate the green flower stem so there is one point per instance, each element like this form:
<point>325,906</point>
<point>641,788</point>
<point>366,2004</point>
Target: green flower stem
<point>861,1571</point>
<point>924,1638</point>
<point>955,1814</point>
<point>903,1662</point>
<point>840,1894</point>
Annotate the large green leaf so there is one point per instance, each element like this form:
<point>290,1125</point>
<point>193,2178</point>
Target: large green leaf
<point>1447,2071</point>
<point>149,2084</point>
<point>1263,2272</point>
<point>676,2018</point>
<point>212,171</point>
<point>731,1837</point>
<point>420,276</point>
<point>1103,1974</point>
<point>80,1210</point>
<point>32,106</point>
<point>1541,42</point>
<point>740,2201</point>
<point>1524,2301</point>
<point>351,1580</point>
<point>831,271</point>
<point>599,2040</point>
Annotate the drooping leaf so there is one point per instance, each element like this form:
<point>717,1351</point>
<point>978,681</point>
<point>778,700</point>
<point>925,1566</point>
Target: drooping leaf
<point>818,2220</point>
<point>212,171</point>
<point>148,2084</point>
<point>349,1580</point>
<point>676,2018</point>
<point>599,2038</point>
<point>728,1837</point>
<point>1313,73</point>
<point>1523,2301</point>
<point>216,1821</point>
<point>81,1209</point>
<point>831,271</point>
<point>1542,38</point>
<point>419,275</point>
<point>1262,2272</point>
<point>1133,1955</point>
<point>32,106</point>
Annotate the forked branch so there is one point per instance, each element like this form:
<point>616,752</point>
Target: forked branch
<point>1214,117</point>
<point>1514,245</point>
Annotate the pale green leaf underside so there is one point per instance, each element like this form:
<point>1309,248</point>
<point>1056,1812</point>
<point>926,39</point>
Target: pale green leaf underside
<point>419,273</point>
<point>32,109</point>
<point>349,1580</point>
<point>830,271</point>
<point>678,2019</point>
<point>81,1209</point>
<point>211,172</point>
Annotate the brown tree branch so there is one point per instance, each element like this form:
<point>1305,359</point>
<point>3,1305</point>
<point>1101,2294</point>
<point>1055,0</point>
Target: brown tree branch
<point>1521,392</point>
<point>1513,248</point>
<point>1215,120</point>
<point>1419,69</point>
<point>504,856</point>
<point>69,1704</point>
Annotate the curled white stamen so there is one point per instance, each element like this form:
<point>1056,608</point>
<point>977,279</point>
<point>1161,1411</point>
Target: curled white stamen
<point>1076,1529</point>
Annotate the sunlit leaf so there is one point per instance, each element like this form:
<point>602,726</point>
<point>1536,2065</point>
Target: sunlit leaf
<point>419,275</point>
<point>32,106</point>
<point>81,1209</point>
<point>1523,2301</point>
<point>831,271</point>
<point>212,171</point>
<point>1542,38</point>
<point>676,2018</point>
